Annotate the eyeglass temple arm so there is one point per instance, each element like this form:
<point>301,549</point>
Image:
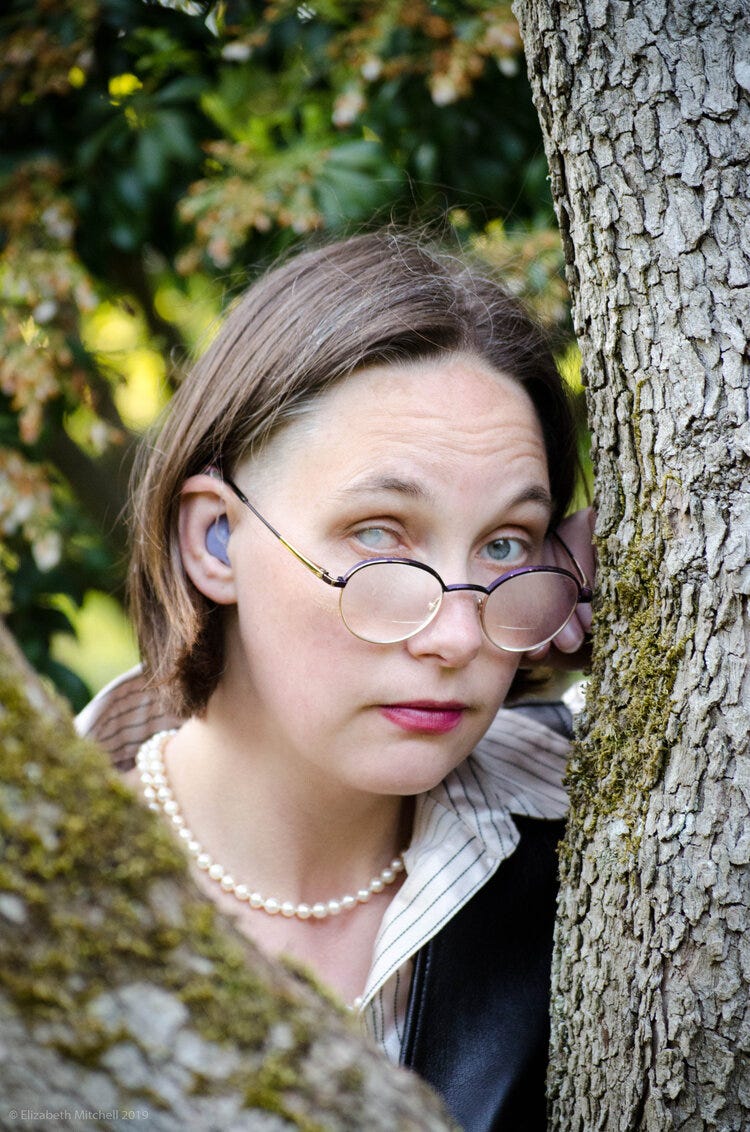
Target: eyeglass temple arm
<point>318,571</point>
<point>587,593</point>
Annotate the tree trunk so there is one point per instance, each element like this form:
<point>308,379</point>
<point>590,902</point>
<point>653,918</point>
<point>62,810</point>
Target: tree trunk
<point>125,1000</point>
<point>645,112</point>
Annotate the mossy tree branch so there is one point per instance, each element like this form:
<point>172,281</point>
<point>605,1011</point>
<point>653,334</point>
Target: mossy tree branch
<point>122,989</point>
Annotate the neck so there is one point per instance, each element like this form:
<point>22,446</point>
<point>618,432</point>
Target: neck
<point>273,828</point>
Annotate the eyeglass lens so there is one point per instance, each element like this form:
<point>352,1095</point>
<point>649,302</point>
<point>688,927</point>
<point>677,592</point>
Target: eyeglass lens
<point>385,602</point>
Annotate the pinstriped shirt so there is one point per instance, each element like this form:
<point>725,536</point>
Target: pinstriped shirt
<point>463,830</point>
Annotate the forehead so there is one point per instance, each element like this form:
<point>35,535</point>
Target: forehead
<point>450,419</point>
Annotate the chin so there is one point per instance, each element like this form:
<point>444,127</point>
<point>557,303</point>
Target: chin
<point>413,775</point>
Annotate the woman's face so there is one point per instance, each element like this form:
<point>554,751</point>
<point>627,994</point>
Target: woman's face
<point>441,461</point>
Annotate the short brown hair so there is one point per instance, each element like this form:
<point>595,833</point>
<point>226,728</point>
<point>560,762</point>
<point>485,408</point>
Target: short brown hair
<point>314,320</point>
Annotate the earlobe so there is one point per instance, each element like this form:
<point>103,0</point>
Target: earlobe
<point>204,540</point>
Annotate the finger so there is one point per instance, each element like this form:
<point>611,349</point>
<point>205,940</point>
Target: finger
<point>585,615</point>
<point>570,638</point>
<point>577,533</point>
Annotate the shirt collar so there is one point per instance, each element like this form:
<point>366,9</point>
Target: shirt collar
<point>464,828</point>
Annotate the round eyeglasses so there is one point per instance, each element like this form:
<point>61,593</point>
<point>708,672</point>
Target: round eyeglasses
<point>386,600</point>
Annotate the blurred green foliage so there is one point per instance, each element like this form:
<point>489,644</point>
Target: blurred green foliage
<point>154,155</point>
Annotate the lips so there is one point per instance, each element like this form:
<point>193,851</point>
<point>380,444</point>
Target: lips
<point>435,717</point>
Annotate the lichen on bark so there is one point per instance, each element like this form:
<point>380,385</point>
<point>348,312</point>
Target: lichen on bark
<point>630,728</point>
<point>646,118</point>
<point>122,988</point>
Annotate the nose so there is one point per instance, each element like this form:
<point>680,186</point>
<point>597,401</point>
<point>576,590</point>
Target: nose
<point>455,634</point>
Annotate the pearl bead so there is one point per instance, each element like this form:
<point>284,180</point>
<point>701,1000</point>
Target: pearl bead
<point>159,797</point>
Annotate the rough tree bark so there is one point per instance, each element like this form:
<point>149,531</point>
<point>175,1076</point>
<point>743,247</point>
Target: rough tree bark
<point>644,106</point>
<point>124,1001</point>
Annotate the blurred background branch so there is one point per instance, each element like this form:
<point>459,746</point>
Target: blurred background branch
<point>155,156</point>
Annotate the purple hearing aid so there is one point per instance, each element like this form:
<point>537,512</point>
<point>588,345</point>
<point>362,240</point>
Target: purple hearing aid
<point>217,537</point>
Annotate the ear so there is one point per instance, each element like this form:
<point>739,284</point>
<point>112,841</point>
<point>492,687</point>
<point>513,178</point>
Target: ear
<point>204,538</point>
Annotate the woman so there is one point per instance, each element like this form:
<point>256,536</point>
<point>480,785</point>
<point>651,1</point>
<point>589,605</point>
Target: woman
<point>338,542</point>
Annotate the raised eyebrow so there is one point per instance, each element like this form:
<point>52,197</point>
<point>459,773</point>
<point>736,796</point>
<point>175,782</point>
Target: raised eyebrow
<point>413,489</point>
<point>534,494</point>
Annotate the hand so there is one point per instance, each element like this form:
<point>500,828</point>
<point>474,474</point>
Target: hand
<point>570,648</point>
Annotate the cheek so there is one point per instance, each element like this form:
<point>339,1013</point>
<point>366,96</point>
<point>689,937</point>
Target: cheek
<point>494,677</point>
<point>275,592</point>
<point>290,625</point>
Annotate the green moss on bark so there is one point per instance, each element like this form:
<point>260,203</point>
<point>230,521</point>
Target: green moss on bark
<point>273,1084</point>
<point>629,697</point>
<point>84,872</point>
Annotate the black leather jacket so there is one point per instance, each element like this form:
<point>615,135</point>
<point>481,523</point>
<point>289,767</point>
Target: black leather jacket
<point>477,1025</point>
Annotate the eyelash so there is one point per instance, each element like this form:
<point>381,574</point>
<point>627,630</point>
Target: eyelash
<point>521,543</point>
<point>376,527</point>
<point>396,539</point>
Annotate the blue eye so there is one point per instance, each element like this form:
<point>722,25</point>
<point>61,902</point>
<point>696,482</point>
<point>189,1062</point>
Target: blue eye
<point>506,551</point>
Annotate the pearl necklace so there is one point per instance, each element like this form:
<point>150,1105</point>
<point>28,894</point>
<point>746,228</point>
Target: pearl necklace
<point>159,796</point>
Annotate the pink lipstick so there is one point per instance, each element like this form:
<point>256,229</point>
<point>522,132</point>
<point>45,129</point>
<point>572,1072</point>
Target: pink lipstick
<point>428,716</point>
